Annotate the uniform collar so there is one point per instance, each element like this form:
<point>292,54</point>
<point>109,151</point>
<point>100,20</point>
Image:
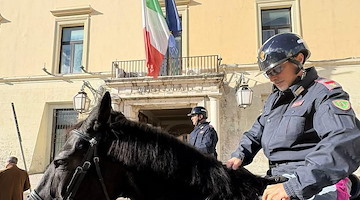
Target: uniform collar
<point>300,85</point>
<point>201,124</point>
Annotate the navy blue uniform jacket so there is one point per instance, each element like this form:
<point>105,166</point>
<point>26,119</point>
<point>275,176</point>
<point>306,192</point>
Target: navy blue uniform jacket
<point>311,130</point>
<point>204,138</point>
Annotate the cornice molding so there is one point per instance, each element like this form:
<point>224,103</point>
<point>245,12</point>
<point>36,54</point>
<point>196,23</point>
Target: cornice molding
<point>62,12</point>
<point>45,78</point>
<point>167,87</point>
<point>165,80</point>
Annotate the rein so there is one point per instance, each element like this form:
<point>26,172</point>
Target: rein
<point>81,170</point>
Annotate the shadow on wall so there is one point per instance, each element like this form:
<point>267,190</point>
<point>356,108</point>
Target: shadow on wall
<point>39,162</point>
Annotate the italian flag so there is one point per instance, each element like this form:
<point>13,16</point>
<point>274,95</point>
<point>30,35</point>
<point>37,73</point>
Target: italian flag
<point>156,35</point>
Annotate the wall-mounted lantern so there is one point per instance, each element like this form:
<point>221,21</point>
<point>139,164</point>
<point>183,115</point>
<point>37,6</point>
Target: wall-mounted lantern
<point>244,94</point>
<point>81,101</point>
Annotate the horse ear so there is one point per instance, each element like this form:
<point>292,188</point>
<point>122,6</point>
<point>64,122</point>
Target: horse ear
<point>103,114</point>
<point>105,107</point>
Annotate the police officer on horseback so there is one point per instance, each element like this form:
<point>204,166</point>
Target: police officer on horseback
<point>308,129</point>
<point>204,136</point>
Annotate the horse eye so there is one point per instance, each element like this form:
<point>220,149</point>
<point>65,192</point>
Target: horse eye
<point>79,146</point>
<point>60,162</point>
<point>82,145</point>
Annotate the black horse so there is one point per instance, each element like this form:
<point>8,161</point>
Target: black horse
<point>108,156</point>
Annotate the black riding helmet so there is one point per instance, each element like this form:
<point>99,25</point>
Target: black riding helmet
<point>198,110</point>
<point>280,48</point>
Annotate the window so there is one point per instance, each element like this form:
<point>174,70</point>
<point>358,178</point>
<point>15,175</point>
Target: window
<point>62,120</point>
<point>71,39</point>
<point>172,63</point>
<point>275,21</point>
<point>71,50</point>
<point>277,17</point>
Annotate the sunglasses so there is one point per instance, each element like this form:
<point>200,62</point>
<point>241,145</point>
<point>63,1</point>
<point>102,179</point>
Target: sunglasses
<point>274,71</point>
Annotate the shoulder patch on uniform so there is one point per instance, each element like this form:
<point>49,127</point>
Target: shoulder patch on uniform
<point>329,84</point>
<point>342,104</point>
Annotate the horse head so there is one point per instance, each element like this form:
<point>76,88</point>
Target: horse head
<point>77,168</point>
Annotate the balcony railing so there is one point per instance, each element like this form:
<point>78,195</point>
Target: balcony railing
<point>183,66</point>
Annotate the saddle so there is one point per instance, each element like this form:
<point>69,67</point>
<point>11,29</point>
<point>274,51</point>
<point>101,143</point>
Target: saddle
<point>355,184</point>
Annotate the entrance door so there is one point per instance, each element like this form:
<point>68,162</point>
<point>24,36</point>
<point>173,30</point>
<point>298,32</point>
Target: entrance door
<point>174,121</point>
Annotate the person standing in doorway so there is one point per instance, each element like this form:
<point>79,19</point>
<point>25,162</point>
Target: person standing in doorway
<point>204,136</point>
<point>13,181</point>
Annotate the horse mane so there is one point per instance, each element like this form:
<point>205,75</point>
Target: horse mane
<point>142,147</point>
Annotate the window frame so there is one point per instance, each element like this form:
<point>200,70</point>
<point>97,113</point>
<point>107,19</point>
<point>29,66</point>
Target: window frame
<point>294,6</point>
<point>67,22</point>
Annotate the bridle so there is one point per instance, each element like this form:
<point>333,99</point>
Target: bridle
<point>81,170</point>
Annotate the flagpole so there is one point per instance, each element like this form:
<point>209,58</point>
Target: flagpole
<point>143,12</point>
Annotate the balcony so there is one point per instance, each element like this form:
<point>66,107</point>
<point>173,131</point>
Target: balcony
<point>183,66</point>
